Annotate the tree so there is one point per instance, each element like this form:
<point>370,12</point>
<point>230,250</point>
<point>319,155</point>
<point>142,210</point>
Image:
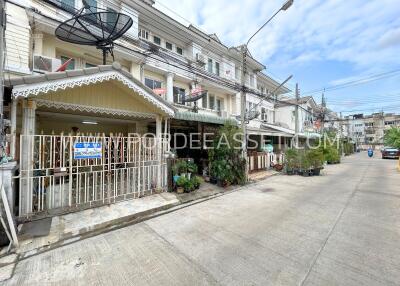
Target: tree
<point>392,137</point>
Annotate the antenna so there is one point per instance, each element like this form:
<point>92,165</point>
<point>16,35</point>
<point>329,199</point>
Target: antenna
<point>99,29</point>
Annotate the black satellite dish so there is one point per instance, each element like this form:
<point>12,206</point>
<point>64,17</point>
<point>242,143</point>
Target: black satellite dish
<point>99,29</point>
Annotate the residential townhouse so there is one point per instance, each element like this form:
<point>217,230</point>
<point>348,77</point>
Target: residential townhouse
<point>156,55</point>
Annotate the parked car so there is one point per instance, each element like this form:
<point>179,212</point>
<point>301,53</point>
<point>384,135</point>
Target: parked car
<point>390,152</point>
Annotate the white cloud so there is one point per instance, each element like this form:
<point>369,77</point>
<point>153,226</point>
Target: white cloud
<point>362,33</point>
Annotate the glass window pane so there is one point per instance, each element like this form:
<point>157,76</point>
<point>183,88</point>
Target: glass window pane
<point>212,102</point>
<point>148,82</point>
<point>71,64</point>
<point>179,50</point>
<point>156,40</point>
<point>217,68</point>
<point>204,101</point>
<point>210,65</point>
<point>168,46</point>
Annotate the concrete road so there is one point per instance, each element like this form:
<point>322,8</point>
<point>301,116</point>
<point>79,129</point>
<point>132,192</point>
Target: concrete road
<point>342,228</point>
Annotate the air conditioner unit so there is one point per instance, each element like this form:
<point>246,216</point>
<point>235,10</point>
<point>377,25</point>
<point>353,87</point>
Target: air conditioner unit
<point>200,58</point>
<point>45,64</point>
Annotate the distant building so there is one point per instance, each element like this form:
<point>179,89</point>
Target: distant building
<point>369,130</point>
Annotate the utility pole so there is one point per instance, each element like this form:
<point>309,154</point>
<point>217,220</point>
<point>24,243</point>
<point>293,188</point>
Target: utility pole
<point>243,50</point>
<point>296,115</point>
<point>323,107</point>
<point>2,36</point>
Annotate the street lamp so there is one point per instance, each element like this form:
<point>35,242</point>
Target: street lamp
<point>243,50</point>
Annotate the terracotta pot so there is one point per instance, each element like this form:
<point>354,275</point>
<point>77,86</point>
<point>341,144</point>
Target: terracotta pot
<point>180,190</point>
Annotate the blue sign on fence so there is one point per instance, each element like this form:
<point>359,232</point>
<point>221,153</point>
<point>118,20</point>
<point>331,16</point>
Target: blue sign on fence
<point>86,150</point>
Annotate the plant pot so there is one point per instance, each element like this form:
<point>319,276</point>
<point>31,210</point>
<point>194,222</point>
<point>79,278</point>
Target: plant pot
<point>206,178</point>
<point>316,171</point>
<point>175,178</point>
<point>180,190</point>
<point>290,172</point>
<point>213,180</point>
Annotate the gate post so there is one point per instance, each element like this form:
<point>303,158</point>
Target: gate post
<point>26,157</point>
<point>158,151</point>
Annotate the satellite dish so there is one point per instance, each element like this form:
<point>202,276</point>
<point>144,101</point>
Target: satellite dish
<point>99,29</point>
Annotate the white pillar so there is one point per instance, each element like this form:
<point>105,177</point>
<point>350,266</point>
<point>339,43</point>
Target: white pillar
<point>13,129</point>
<point>26,156</point>
<point>159,150</point>
<point>170,87</point>
<point>38,44</point>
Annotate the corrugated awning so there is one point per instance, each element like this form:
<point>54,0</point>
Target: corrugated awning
<point>192,116</point>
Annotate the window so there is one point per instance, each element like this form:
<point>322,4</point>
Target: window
<point>179,50</point>
<point>89,65</point>
<point>111,18</point>
<point>264,115</point>
<point>204,101</point>
<point>210,65</point>
<point>168,46</point>
<point>251,80</point>
<point>92,8</point>
<point>211,99</point>
<point>237,73</point>
<point>179,94</point>
<point>68,5</point>
<point>220,104</point>
<point>143,34</point>
<point>156,40</point>
<point>217,68</point>
<point>71,64</point>
<point>151,83</point>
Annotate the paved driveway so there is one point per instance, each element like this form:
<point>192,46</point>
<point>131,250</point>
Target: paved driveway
<point>342,228</point>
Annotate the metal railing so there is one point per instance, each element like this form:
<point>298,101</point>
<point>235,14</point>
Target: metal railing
<point>73,172</point>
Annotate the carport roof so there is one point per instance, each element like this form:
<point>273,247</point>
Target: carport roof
<point>31,85</point>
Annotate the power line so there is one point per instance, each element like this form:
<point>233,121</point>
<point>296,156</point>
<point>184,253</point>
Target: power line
<point>356,82</point>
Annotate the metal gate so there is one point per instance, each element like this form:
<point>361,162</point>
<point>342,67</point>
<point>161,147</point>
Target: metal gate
<point>57,176</point>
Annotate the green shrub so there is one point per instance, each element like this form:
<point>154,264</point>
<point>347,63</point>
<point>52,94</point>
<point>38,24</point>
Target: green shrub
<point>225,159</point>
<point>181,182</point>
<point>315,157</point>
<point>291,159</point>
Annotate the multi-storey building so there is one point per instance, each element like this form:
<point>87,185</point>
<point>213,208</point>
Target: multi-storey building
<point>157,63</point>
<point>307,119</point>
<point>369,130</point>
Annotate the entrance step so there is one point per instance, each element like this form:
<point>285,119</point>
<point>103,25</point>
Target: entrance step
<point>67,228</point>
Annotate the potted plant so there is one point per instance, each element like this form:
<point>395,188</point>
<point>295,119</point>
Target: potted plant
<point>316,159</point>
<point>181,183</point>
<point>305,165</point>
<point>196,182</point>
<point>189,186</point>
<point>291,161</point>
<point>191,168</point>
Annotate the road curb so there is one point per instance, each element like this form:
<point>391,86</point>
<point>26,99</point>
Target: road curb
<point>127,221</point>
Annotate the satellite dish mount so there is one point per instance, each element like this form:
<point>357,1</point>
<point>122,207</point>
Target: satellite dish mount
<point>92,26</point>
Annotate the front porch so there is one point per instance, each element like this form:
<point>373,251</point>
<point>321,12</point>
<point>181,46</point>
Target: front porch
<point>85,140</point>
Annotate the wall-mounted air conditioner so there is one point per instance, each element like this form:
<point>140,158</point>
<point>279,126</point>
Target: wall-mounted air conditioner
<point>44,64</point>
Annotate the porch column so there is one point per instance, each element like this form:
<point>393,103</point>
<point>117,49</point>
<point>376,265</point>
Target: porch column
<point>159,150</point>
<point>38,44</point>
<point>170,87</point>
<point>26,156</point>
<point>13,129</point>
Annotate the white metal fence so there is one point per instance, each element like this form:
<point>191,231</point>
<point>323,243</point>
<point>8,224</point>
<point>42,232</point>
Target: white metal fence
<point>59,173</point>
<point>262,160</point>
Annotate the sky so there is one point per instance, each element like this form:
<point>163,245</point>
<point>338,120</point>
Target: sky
<point>349,47</point>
